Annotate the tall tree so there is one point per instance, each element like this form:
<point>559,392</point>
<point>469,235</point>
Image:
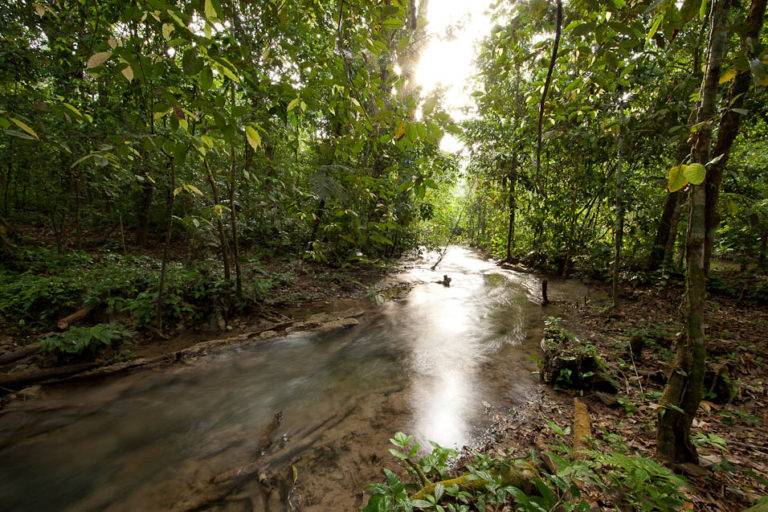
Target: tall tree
<point>685,385</point>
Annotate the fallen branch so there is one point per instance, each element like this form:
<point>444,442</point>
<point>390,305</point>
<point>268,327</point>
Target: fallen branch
<point>581,427</point>
<point>21,379</point>
<point>78,315</point>
<point>520,477</point>
<point>29,350</point>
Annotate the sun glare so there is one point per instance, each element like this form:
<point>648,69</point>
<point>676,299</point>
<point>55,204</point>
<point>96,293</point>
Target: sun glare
<point>448,60</point>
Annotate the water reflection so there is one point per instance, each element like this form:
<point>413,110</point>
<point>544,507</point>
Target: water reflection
<point>451,332</point>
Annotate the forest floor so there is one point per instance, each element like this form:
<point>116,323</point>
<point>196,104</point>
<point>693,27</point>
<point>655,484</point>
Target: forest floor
<point>729,431</point>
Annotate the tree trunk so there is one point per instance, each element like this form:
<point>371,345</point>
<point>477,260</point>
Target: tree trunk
<point>233,210</point>
<point>685,386</point>
<point>669,249</point>
<point>729,125</point>
<point>224,246</point>
<point>618,234</point>
<point>144,207</point>
<point>664,231</point>
<point>511,227</point>
<point>547,82</point>
<point>166,245</point>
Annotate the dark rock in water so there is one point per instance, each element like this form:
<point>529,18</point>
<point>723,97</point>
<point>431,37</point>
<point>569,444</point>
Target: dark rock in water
<point>570,363</point>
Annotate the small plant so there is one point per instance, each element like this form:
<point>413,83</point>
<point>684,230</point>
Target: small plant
<point>85,341</point>
<point>731,417</point>
<point>713,440</point>
<point>630,481</point>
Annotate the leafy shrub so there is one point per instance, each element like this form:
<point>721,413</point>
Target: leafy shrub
<point>85,341</point>
<point>631,481</point>
<point>127,286</point>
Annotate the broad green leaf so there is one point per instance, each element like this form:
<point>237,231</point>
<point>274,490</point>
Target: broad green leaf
<point>229,73</point>
<point>193,189</point>
<point>728,75</point>
<point>97,59</point>
<point>72,108</point>
<point>293,104</point>
<point>128,73</point>
<point>676,179</point>
<point>400,131</point>
<point>654,27</point>
<point>167,30</point>
<point>24,126</point>
<point>210,10</point>
<point>254,139</point>
<point>694,173</point>
<point>190,63</point>
<point>176,18</point>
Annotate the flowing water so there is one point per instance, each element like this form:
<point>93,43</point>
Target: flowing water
<point>438,364</point>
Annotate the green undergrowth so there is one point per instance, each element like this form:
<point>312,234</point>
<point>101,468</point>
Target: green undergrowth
<point>85,342</point>
<point>621,479</point>
<point>122,288</point>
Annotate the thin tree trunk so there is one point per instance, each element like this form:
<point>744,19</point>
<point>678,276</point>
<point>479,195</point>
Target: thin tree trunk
<point>233,210</point>
<point>511,226</point>
<point>685,386</point>
<point>547,82</point>
<point>166,245</point>
<point>664,231</point>
<point>729,125</point>
<point>122,232</point>
<point>219,224</point>
<point>8,177</point>
<point>618,234</point>
<point>669,249</point>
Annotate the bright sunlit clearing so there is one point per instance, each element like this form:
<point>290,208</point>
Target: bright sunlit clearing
<point>448,60</point>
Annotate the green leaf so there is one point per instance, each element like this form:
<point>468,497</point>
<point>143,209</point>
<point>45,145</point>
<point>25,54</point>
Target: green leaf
<point>694,173</point>
<point>24,126</point>
<point>293,104</point>
<point>728,75</point>
<point>229,73</point>
<point>97,59</point>
<point>676,179</point>
<point>190,63</point>
<point>175,17</point>
<point>127,72</point>
<point>167,30</point>
<point>254,139</point>
<point>654,27</point>
<point>210,10</point>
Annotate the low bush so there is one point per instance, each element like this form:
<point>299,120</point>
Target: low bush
<point>85,342</point>
<point>624,481</point>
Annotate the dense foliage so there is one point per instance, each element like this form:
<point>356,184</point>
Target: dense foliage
<point>616,118</point>
<point>223,125</point>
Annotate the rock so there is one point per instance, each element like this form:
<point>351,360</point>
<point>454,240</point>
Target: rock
<point>571,363</point>
<point>267,334</point>
<point>341,323</point>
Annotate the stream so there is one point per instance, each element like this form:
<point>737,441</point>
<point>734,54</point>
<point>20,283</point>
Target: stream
<point>440,364</point>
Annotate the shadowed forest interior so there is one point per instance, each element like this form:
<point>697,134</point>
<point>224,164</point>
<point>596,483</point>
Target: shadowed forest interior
<point>514,254</point>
